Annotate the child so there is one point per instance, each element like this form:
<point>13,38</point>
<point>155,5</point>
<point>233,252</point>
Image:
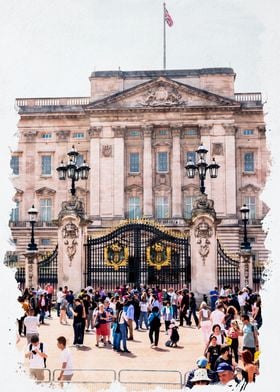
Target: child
<point>174,334</point>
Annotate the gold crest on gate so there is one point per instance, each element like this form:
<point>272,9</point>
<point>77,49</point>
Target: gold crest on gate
<point>158,255</point>
<point>116,255</point>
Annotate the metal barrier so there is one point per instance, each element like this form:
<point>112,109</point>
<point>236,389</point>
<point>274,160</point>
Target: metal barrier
<point>92,380</point>
<point>149,379</point>
<point>47,376</point>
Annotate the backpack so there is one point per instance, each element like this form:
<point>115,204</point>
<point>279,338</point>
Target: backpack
<point>41,349</point>
<point>155,322</point>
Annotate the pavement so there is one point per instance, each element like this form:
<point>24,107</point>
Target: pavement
<point>142,356</point>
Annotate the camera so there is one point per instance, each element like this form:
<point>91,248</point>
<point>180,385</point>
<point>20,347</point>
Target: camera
<point>34,352</point>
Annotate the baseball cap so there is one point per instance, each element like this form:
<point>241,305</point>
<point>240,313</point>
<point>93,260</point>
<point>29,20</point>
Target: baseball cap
<point>223,366</point>
<point>202,362</point>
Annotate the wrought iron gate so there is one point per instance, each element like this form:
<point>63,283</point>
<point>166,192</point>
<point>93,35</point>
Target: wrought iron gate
<point>47,270</point>
<point>228,273</point>
<point>137,253</point>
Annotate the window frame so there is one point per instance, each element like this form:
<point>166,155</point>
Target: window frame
<point>158,169</point>
<point>43,173</point>
<point>247,163</point>
<point>46,211</point>
<point>165,207</point>
<point>131,154</point>
<point>13,166</point>
<point>132,207</point>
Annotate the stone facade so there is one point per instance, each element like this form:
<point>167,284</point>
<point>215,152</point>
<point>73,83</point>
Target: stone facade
<point>136,131</point>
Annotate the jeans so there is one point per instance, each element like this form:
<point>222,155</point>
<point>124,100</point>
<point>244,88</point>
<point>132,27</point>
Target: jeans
<point>143,317</point>
<point>42,316</point>
<point>69,311</point>
<point>116,337</point>
<point>58,308</point>
<point>123,329</point>
<point>79,329</point>
<point>175,311</point>
<point>156,333</point>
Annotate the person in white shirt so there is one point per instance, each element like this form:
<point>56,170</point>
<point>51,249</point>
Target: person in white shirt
<point>66,372</point>
<point>31,323</point>
<point>218,316</point>
<point>36,353</point>
<point>59,296</point>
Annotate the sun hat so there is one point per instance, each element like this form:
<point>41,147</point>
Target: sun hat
<point>201,362</point>
<point>200,375</point>
<point>224,366</point>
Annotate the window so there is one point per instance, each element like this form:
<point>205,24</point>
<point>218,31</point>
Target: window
<point>162,162</point>
<point>45,241</point>
<point>46,136</point>
<point>14,217</point>
<point>190,155</point>
<point>190,132</point>
<point>134,208</point>
<point>78,135</point>
<point>46,165</point>
<point>162,207</point>
<point>250,202</point>
<point>188,206</point>
<point>80,160</point>
<point>163,132</point>
<point>134,133</point>
<point>134,166</point>
<point>14,165</point>
<point>45,210</point>
<point>248,132</point>
<point>249,162</point>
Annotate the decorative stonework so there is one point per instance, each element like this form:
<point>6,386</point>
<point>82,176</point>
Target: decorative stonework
<point>148,130</point>
<point>73,207</point>
<point>30,135</point>
<point>230,129</point>
<point>45,191</point>
<point>119,131</point>
<point>217,149</point>
<point>176,130</point>
<point>63,135</point>
<point>162,96</point>
<point>205,129</point>
<point>202,233</point>
<point>107,150</point>
<point>203,205</point>
<point>94,132</point>
<point>70,233</point>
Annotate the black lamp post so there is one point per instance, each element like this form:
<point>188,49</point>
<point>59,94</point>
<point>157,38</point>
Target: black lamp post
<point>32,212</point>
<point>245,245</point>
<point>72,170</point>
<point>201,167</point>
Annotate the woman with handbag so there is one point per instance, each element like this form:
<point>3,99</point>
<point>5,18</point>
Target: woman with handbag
<point>100,324</point>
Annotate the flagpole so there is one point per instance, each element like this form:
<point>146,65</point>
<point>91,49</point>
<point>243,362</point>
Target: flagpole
<point>164,38</point>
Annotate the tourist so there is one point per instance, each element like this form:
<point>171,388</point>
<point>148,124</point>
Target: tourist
<point>257,312</point>
<point>42,306</point>
<point>31,324</point>
<point>233,334</point>
<point>218,316</point>
<point>231,314</point>
<point>121,320</point>
<point>250,370</point>
<point>167,314</point>
<point>214,296</point>
<point>225,356</point>
<point>200,377</point>
<point>36,353</point>
<point>49,289</point>
<point>250,335</point>
<point>192,310</point>
<point>213,352</point>
<point>184,307</point>
<point>226,376</point>
<point>154,325</point>
<point>100,319</point>
<point>201,363</point>
<point>63,309</point>
<point>78,323</point>
<point>143,311</point>
<point>59,296</point>
<point>220,335</point>
<point>205,322</point>
<point>129,312</point>
<point>66,372</point>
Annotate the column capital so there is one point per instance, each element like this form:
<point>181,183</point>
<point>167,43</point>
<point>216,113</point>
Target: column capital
<point>94,132</point>
<point>30,135</point>
<point>147,130</point>
<point>62,135</point>
<point>176,130</point>
<point>119,131</point>
<point>205,129</point>
<point>230,129</point>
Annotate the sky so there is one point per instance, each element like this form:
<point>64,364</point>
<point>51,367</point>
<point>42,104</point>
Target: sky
<point>50,47</point>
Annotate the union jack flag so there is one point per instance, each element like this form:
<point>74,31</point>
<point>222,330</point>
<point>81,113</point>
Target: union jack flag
<point>167,18</point>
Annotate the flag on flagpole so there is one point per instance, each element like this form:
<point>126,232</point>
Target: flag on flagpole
<point>167,17</point>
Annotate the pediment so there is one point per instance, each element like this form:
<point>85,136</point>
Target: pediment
<point>162,93</point>
<point>45,191</point>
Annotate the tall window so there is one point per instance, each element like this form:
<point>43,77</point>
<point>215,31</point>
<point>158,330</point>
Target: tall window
<point>188,206</point>
<point>190,155</point>
<point>14,165</point>
<point>80,160</point>
<point>46,210</point>
<point>162,207</point>
<point>15,213</point>
<point>134,211</point>
<point>134,162</point>
<point>162,162</point>
<point>46,164</point>
<point>250,202</point>
<point>249,165</point>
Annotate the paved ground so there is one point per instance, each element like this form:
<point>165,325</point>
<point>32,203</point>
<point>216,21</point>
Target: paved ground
<point>142,356</point>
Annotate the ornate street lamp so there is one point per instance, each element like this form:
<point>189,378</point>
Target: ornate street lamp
<point>32,212</point>
<point>72,170</point>
<point>201,167</point>
<point>245,245</point>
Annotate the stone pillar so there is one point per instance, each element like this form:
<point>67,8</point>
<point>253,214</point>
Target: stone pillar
<point>94,164</point>
<point>118,173</point>
<point>147,173</point>
<point>31,269</point>
<point>72,233</point>
<point>246,269</point>
<point>176,175</point>
<point>203,246</point>
<point>230,169</point>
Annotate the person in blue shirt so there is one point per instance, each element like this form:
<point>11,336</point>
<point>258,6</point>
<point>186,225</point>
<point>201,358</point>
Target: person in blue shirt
<point>214,296</point>
<point>154,325</point>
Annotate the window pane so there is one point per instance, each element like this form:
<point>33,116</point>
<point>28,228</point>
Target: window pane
<point>190,155</point>
<point>162,162</point>
<point>134,166</point>
<point>15,213</point>
<point>134,208</point>
<point>250,202</point>
<point>188,206</point>
<point>162,207</point>
<point>14,165</point>
<point>46,164</point>
<point>46,210</point>
<point>249,162</point>
<point>80,159</point>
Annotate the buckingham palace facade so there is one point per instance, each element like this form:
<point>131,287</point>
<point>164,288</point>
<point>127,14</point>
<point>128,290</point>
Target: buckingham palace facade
<point>136,131</point>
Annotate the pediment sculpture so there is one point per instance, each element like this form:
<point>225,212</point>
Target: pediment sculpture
<point>162,96</point>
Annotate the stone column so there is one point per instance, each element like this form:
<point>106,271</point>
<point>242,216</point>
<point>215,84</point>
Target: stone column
<point>246,269</point>
<point>176,174</point>
<point>31,269</point>
<point>230,169</point>
<point>203,246</point>
<point>94,208</point>
<point>118,172</point>
<point>72,233</point>
<point>147,173</point>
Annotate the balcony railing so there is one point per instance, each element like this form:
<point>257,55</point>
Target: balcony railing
<point>65,101</point>
<point>27,224</point>
<point>248,97</point>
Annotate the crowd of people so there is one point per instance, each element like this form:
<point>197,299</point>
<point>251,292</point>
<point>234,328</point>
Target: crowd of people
<point>229,324</point>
